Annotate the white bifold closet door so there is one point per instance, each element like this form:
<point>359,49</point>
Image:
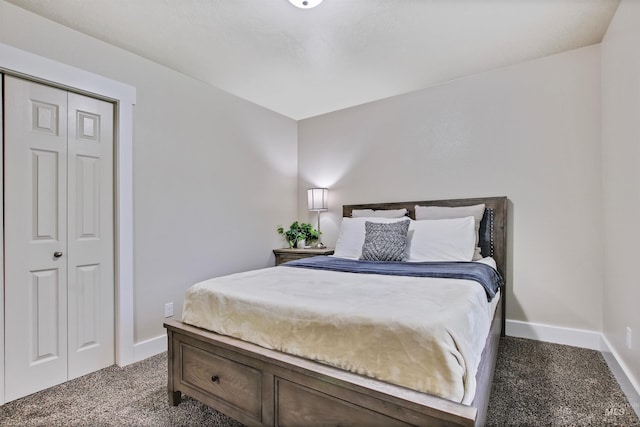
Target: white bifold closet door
<point>58,204</point>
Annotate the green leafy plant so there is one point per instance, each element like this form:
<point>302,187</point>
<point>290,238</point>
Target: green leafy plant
<point>299,231</point>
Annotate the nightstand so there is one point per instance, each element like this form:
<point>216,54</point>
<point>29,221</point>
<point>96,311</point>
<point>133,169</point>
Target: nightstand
<point>286,254</point>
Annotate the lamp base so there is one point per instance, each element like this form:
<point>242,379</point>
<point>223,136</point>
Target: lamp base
<point>319,245</point>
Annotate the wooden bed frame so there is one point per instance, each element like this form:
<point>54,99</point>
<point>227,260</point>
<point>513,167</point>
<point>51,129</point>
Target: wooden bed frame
<point>262,387</point>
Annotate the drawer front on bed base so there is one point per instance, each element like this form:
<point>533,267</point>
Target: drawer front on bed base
<point>297,405</point>
<point>226,381</point>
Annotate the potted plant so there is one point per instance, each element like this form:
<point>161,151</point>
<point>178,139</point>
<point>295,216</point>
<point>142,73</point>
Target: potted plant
<point>299,234</point>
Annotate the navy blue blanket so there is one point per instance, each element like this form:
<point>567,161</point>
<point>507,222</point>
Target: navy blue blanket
<point>486,275</point>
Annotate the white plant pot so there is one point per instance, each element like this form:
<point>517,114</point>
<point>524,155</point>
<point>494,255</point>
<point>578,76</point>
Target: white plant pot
<point>301,243</point>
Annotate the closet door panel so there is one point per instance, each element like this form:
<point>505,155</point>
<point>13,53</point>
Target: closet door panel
<point>35,210</point>
<point>91,277</point>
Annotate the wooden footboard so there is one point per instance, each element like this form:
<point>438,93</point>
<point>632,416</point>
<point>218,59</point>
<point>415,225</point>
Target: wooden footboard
<point>261,387</point>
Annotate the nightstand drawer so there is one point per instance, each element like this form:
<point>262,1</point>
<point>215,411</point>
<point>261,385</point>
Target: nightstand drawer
<point>290,257</point>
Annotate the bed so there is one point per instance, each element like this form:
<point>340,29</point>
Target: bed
<point>263,386</point>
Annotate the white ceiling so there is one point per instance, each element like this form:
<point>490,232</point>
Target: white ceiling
<point>306,62</point>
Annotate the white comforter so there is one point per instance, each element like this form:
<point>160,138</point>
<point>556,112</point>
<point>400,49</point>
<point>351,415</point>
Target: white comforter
<point>422,333</point>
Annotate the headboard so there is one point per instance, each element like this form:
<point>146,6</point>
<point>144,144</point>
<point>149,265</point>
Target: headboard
<point>493,228</point>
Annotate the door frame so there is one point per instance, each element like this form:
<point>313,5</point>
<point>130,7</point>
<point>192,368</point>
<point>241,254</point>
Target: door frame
<point>33,67</point>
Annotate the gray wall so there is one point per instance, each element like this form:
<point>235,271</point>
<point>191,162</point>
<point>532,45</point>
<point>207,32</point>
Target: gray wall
<point>530,132</point>
<point>213,174</point>
<point>621,173</point>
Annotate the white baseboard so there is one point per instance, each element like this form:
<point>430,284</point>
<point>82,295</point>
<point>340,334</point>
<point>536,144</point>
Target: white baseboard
<point>145,349</point>
<point>555,334</point>
<point>584,339</point>
<point>623,374</point>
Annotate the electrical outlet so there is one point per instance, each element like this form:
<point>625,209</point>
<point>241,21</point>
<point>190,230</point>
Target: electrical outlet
<point>168,309</point>
<point>629,338</point>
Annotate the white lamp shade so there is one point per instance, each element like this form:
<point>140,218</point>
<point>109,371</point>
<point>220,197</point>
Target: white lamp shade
<point>317,199</point>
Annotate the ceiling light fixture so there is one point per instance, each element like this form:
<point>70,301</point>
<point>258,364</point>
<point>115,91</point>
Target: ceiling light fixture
<point>305,4</point>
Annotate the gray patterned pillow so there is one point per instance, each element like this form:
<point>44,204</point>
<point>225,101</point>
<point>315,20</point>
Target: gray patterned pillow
<point>385,242</point>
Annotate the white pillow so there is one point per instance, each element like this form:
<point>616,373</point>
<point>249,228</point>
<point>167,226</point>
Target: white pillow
<point>352,233</point>
<point>380,213</point>
<point>442,240</point>
<point>445,212</point>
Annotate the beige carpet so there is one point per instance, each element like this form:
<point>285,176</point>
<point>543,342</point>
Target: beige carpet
<point>536,384</point>
<point>542,384</point>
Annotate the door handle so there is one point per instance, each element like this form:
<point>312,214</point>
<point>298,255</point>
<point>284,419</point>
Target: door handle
<point>57,254</point>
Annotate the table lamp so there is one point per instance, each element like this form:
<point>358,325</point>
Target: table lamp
<point>317,201</point>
